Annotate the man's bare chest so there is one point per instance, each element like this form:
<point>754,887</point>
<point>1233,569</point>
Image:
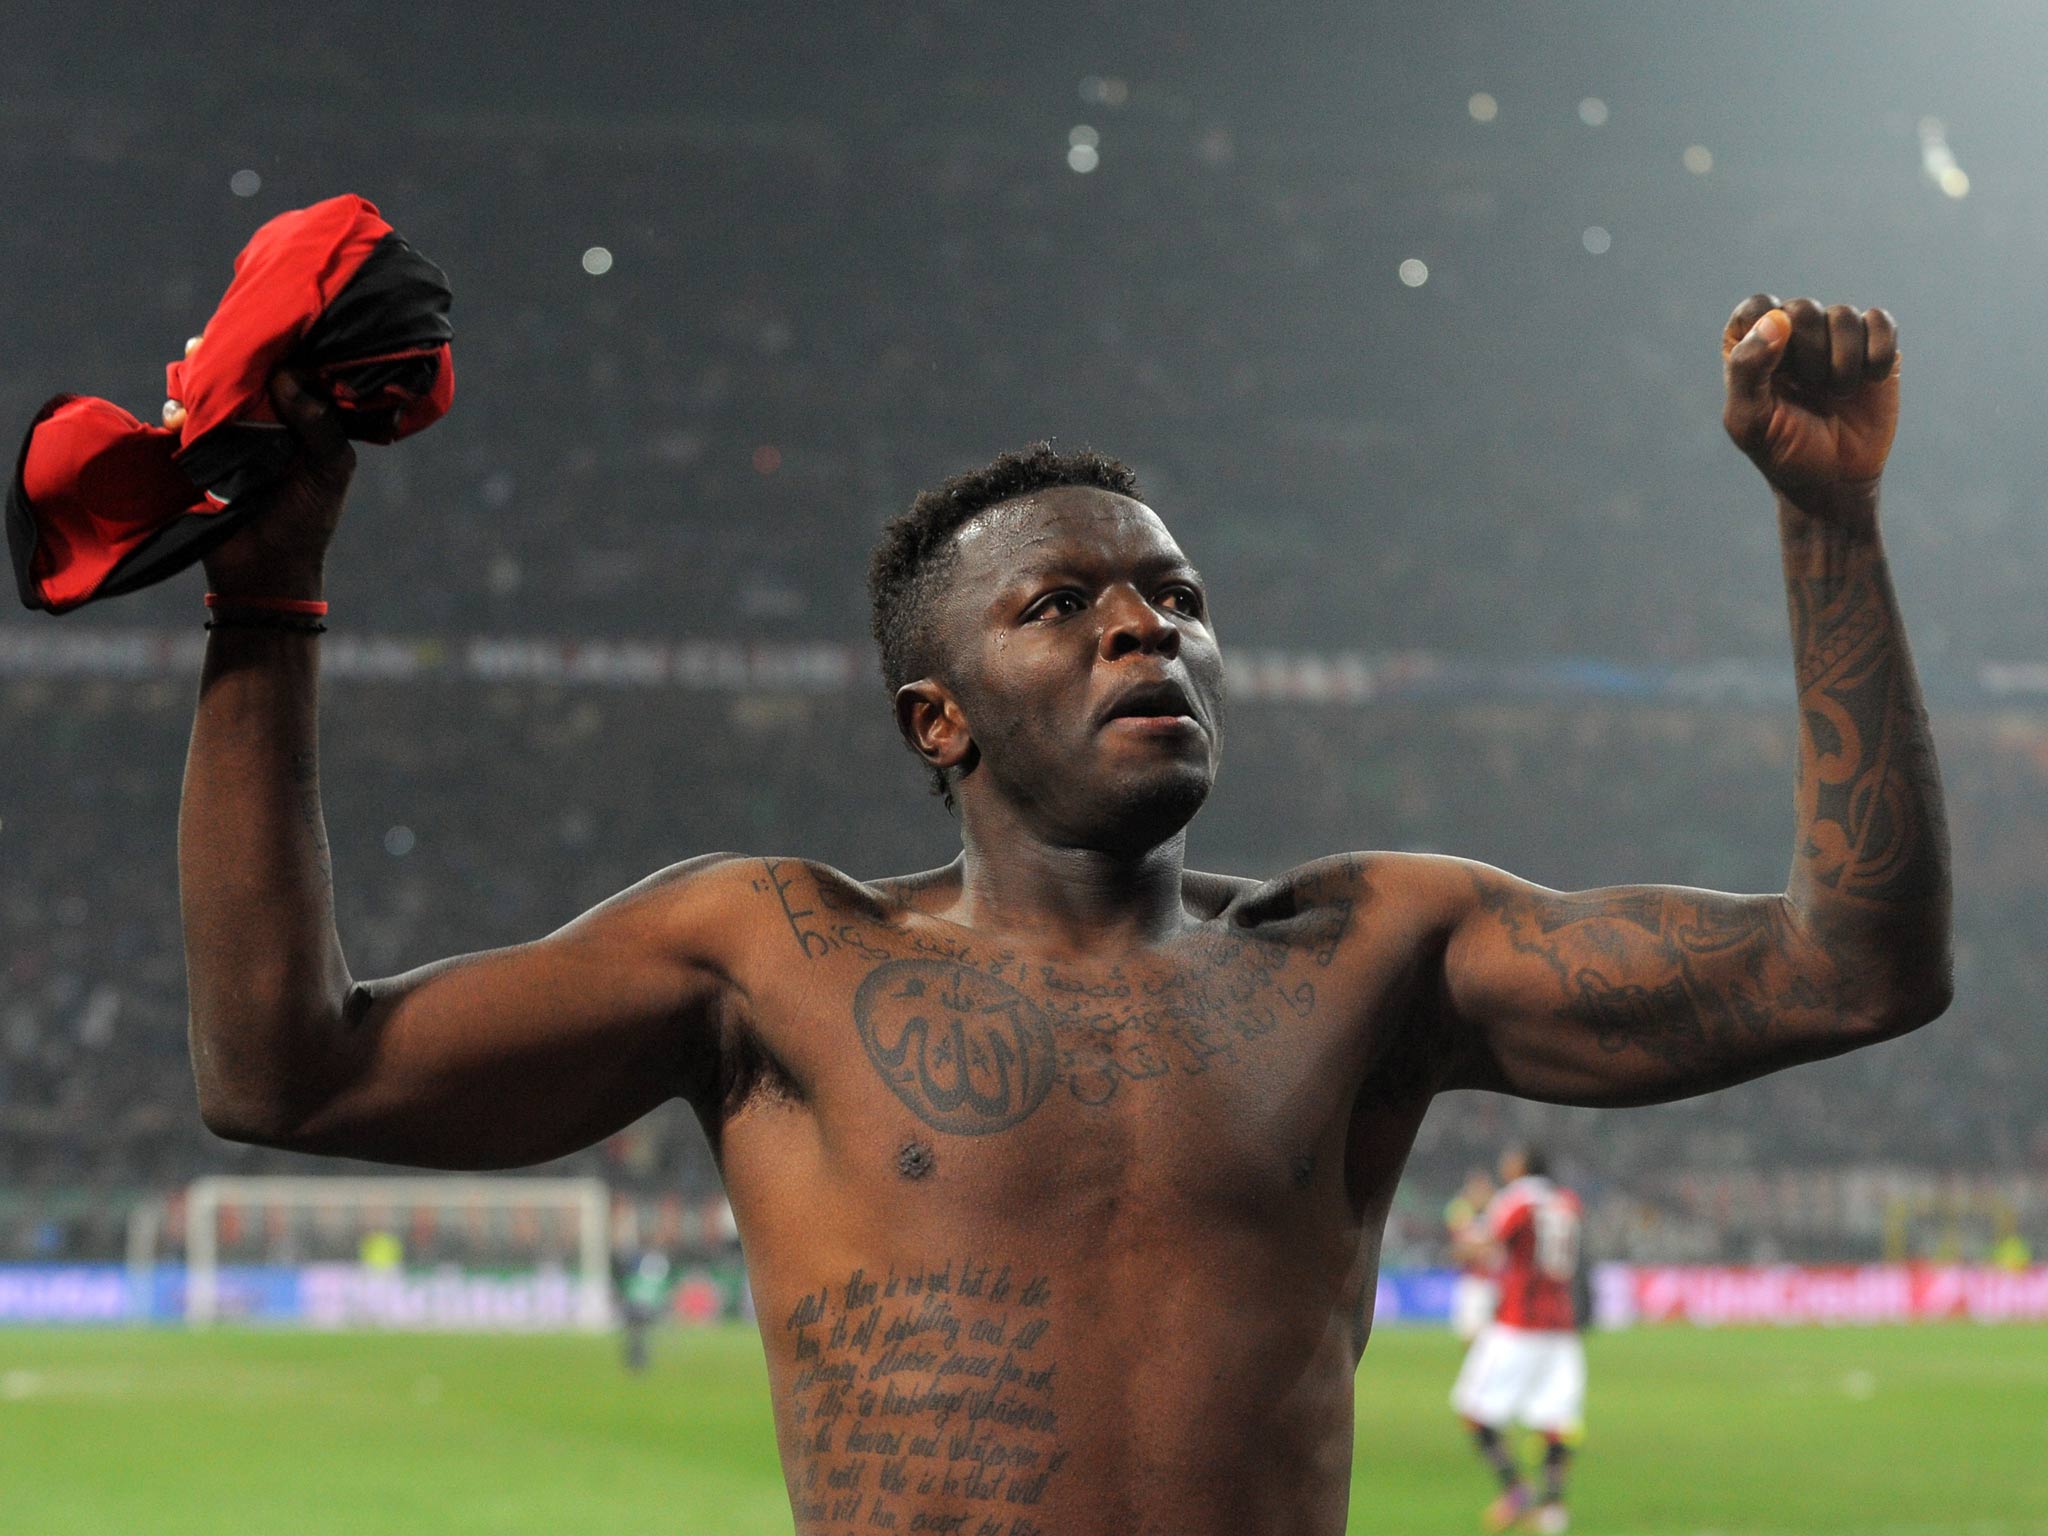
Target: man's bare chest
<point>966,1036</point>
<point>988,1189</point>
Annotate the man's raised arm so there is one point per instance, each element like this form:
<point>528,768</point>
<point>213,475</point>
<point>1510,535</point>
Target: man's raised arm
<point>490,1060</point>
<point>1641,993</point>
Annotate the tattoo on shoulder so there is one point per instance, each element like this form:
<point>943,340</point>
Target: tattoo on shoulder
<point>1312,909</point>
<point>822,918</point>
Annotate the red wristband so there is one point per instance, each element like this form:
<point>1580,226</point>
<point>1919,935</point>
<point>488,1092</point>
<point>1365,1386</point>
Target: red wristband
<point>312,607</point>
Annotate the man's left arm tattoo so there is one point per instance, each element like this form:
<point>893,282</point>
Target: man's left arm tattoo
<point>1871,830</point>
<point>1640,993</point>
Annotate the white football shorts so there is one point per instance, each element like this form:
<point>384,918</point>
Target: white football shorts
<point>1532,1377</point>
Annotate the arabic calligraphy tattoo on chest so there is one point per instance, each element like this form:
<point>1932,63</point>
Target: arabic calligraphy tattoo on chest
<point>973,1039</point>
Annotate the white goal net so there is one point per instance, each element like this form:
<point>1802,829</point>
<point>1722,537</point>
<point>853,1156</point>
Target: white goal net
<point>427,1252</point>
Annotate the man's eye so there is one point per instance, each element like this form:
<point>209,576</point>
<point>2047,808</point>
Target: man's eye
<point>1059,605</point>
<point>1185,599</point>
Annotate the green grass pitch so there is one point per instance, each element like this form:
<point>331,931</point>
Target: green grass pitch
<point>1939,1431</point>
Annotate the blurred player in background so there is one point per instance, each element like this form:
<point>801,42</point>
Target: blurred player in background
<point>644,1286</point>
<point>1475,1294</point>
<point>1527,1367</point>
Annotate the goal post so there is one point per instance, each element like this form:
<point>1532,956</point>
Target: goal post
<point>563,1223</point>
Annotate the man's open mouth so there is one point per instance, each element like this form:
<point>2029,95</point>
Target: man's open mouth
<point>1162,705</point>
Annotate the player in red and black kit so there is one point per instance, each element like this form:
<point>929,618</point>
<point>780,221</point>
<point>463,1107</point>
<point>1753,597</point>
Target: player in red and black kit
<point>1528,1366</point>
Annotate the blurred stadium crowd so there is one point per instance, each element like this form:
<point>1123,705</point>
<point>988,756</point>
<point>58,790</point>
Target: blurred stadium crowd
<point>703,353</point>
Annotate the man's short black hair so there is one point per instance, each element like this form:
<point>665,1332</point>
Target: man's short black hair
<point>907,573</point>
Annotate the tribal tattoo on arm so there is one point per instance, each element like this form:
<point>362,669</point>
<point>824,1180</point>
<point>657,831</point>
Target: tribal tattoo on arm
<point>1630,995</point>
<point>1872,833</point>
<point>1639,994</point>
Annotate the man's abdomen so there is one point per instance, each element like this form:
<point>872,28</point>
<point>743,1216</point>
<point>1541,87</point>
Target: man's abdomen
<point>987,1386</point>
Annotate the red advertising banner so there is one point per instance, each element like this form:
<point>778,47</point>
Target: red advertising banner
<point>1789,1294</point>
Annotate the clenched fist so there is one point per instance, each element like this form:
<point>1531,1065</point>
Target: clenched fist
<point>1813,396</point>
<point>280,551</point>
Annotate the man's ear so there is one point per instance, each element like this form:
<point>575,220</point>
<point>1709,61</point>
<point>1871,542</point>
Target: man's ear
<point>930,719</point>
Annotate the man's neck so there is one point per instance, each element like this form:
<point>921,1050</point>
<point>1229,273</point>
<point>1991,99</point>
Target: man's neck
<point>1075,900</point>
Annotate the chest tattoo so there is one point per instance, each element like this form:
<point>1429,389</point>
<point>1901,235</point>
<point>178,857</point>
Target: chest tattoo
<point>973,1039</point>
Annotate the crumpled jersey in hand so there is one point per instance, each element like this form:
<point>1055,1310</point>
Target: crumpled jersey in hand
<point>102,503</point>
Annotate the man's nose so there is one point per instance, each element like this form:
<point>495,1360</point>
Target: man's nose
<point>1129,623</point>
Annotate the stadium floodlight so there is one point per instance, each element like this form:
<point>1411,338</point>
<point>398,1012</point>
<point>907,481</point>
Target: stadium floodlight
<point>562,1223</point>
